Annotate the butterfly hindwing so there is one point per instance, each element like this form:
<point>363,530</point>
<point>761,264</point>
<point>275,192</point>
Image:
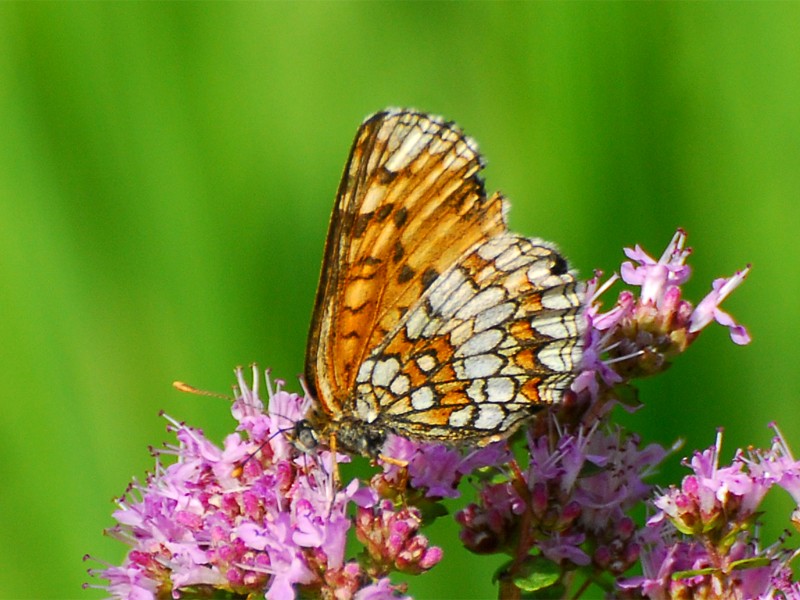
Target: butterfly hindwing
<point>492,340</point>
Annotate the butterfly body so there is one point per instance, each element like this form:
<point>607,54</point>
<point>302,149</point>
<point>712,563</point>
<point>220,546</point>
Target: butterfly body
<point>433,321</point>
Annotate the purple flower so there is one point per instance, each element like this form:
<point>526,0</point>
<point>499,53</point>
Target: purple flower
<point>434,468</point>
<point>777,465</point>
<point>721,499</point>
<point>382,590</point>
<point>641,335</point>
<point>258,517</point>
<point>705,540</point>
<point>709,310</point>
<point>682,568</point>
<point>391,540</point>
<point>490,525</point>
<point>252,517</point>
<point>571,503</point>
<point>656,278</point>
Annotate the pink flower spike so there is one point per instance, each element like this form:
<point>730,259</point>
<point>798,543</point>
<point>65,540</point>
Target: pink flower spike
<point>676,251</point>
<point>255,515</point>
<point>708,309</point>
<point>656,277</point>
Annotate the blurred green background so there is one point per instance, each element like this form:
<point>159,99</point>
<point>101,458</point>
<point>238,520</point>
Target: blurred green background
<point>167,173</point>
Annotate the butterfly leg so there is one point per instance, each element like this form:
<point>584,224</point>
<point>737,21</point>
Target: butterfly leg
<point>337,478</point>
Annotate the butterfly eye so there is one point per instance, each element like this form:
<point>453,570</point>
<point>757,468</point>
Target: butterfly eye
<point>304,436</point>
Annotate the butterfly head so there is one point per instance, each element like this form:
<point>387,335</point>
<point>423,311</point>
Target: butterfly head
<point>351,434</point>
<point>359,437</point>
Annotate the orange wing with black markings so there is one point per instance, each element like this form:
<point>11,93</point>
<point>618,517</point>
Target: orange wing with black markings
<point>409,205</point>
<point>431,319</point>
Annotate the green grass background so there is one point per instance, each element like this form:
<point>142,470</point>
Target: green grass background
<point>167,173</point>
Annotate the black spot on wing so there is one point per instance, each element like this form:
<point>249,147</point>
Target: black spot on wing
<point>360,225</point>
<point>559,266</point>
<point>400,217</point>
<point>385,176</point>
<point>428,277</point>
<point>406,273</point>
<point>398,251</point>
<point>384,211</point>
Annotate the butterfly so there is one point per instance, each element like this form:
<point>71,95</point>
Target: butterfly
<point>432,321</point>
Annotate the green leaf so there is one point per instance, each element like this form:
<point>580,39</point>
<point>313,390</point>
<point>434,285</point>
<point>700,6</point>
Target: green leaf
<point>432,511</point>
<point>537,573</point>
<point>750,563</point>
<point>677,575</point>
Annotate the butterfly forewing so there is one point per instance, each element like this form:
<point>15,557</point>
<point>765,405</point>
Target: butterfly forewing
<point>409,205</point>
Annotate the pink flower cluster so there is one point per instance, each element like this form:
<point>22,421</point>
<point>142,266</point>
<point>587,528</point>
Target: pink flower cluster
<point>570,504</point>
<point>257,517</point>
<point>642,333</point>
<point>703,541</point>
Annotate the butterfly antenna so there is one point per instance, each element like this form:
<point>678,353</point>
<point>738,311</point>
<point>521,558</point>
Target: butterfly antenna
<point>289,419</point>
<point>260,446</point>
<point>397,462</point>
<point>190,389</point>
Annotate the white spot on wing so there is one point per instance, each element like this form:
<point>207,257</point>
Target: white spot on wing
<point>462,416</point>
<point>460,333</point>
<point>560,356</point>
<point>494,247</point>
<point>481,301</point>
<point>457,298</point>
<point>512,262</point>
<point>384,372</point>
<point>489,417</point>
<point>400,385</point>
<point>365,370</point>
<point>475,390</point>
<point>365,408</point>
<point>480,343</point>
<point>372,199</point>
<point>483,365</point>
<point>553,326</point>
<point>409,149</point>
<point>442,290</point>
<point>539,271</point>
<point>422,398</point>
<point>494,316</point>
<point>559,298</point>
<point>511,258</point>
<point>416,322</point>
<point>500,389</point>
<point>426,363</point>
